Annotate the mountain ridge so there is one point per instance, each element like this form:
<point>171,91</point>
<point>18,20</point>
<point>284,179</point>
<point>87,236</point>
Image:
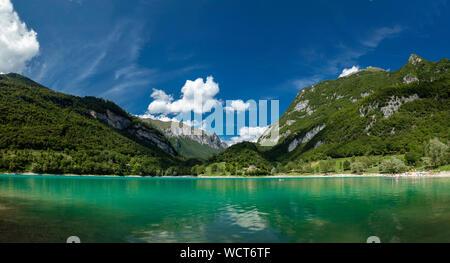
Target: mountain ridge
<point>196,143</point>
<point>370,112</point>
<point>53,132</point>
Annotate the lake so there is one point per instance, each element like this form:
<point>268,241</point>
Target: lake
<point>96,209</point>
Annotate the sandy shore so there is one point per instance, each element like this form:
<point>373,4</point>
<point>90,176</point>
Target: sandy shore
<point>407,174</point>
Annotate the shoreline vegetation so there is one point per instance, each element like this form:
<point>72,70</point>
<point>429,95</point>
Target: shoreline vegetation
<point>423,174</point>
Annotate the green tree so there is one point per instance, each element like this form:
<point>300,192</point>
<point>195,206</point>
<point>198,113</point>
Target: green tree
<point>412,158</point>
<point>358,167</point>
<point>347,165</point>
<point>437,152</point>
<point>214,168</point>
<point>327,165</point>
<point>393,165</point>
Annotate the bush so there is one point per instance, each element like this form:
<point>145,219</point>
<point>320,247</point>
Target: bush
<point>358,167</point>
<point>393,165</point>
<point>307,168</point>
<point>328,165</point>
<point>412,158</point>
<point>437,152</point>
<point>347,165</point>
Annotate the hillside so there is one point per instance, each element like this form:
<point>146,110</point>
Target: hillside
<point>198,144</point>
<point>50,132</point>
<point>371,112</point>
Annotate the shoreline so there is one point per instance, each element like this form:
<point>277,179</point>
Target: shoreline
<point>278,176</point>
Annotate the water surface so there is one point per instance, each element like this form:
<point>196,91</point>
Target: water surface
<point>52,208</point>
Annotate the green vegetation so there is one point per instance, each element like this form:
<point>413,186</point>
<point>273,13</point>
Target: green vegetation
<point>44,131</point>
<point>393,165</point>
<point>258,161</point>
<point>242,159</point>
<point>437,152</point>
<point>369,122</point>
<point>368,113</point>
<point>358,167</point>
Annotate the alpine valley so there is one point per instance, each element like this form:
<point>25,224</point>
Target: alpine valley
<point>352,123</point>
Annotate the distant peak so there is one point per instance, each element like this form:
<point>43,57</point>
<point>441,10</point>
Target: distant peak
<point>415,59</point>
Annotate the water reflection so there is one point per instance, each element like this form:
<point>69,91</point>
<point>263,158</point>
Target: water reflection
<point>231,210</point>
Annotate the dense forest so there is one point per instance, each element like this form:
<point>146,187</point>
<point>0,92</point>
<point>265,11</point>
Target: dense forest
<point>43,131</point>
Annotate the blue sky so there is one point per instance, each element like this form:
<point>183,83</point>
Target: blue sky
<point>124,50</point>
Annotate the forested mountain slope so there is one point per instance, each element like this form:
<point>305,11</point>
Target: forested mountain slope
<point>51,132</point>
<point>371,112</point>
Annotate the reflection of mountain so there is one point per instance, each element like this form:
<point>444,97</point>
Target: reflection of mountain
<point>225,210</point>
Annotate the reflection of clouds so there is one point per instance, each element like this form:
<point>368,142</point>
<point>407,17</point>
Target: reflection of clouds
<point>249,219</point>
<point>189,234</point>
<point>317,222</point>
<point>233,223</point>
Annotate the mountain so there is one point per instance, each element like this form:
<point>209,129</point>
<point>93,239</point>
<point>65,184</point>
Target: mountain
<point>197,144</point>
<point>50,132</point>
<point>371,112</point>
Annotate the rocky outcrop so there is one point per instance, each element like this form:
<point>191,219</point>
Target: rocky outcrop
<point>365,94</point>
<point>409,79</point>
<point>318,144</point>
<point>197,135</point>
<point>112,119</point>
<point>290,122</point>
<point>304,106</point>
<point>145,134</point>
<point>301,105</point>
<point>395,102</point>
<point>308,136</point>
<point>136,129</point>
<point>271,135</point>
<point>414,59</point>
<point>293,145</point>
<point>390,108</point>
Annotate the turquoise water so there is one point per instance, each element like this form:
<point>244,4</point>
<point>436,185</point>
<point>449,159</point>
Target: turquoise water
<point>52,208</point>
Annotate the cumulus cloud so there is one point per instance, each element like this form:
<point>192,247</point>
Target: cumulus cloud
<point>237,105</point>
<point>159,117</point>
<point>197,96</point>
<point>348,71</point>
<point>248,134</point>
<point>18,44</point>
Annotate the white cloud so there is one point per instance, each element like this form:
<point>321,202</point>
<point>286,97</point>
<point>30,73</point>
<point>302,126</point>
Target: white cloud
<point>197,96</point>
<point>249,134</point>
<point>238,105</point>
<point>18,44</point>
<point>349,71</point>
<point>380,34</point>
<point>306,82</point>
<point>191,123</point>
<point>159,117</point>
